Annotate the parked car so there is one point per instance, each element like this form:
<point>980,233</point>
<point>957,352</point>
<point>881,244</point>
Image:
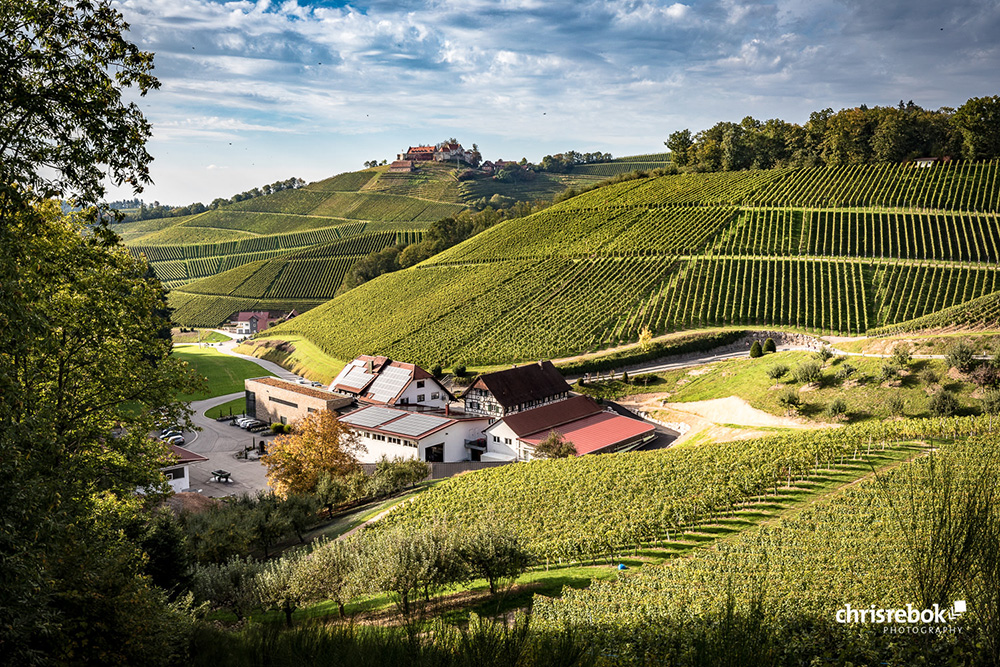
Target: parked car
<point>176,440</point>
<point>243,421</point>
<point>168,429</point>
<point>169,434</point>
<point>252,424</point>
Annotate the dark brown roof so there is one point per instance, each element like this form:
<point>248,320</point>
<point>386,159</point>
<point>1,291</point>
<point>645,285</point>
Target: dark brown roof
<point>552,415</point>
<point>523,384</point>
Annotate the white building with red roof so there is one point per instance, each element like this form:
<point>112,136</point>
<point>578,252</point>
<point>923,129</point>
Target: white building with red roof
<point>392,433</point>
<point>380,380</point>
<point>578,419</point>
<point>177,474</point>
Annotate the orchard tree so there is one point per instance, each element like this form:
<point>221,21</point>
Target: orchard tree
<point>495,555</point>
<point>318,444</point>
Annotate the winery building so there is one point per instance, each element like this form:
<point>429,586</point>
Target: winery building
<point>515,389</point>
<point>271,400</point>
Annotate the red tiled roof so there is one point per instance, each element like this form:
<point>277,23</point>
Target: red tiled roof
<point>185,456</point>
<point>597,432</point>
<point>548,417</point>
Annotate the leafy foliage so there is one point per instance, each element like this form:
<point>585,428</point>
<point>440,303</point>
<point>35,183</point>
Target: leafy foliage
<point>320,443</point>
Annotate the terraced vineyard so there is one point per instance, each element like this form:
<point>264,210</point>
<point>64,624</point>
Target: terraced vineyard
<point>301,279</point>
<point>839,251</point>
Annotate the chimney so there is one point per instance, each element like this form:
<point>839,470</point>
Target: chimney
<point>370,366</point>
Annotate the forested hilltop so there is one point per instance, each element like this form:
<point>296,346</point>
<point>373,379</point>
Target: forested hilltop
<point>824,249</point>
<point>862,135</point>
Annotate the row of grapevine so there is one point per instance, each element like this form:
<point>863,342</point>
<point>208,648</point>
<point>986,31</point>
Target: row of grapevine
<point>347,182</point>
<point>210,310</point>
<point>963,186</point>
<point>590,506</point>
<point>847,550</point>
<point>907,291</point>
<point>609,169</point>
<point>385,207</point>
<point>979,313</point>
<point>263,223</point>
<point>610,232</point>
<point>769,231</point>
<point>811,294</point>
<point>962,237</point>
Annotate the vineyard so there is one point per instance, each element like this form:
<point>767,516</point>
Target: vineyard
<point>849,549</point>
<point>306,277</point>
<point>646,498</point>
<point>677,252</point>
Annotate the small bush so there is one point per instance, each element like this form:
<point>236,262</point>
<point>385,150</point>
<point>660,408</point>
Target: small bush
<point>844,372</point>
<point>837,408</point>
<point>901,355</point>
<point>755,350</point>
<point>991,402</point>
<point>895,405</point>
<point>789,399</point>
<point>961,356</point>
<point>929,375</point>
<point>436,370</point>
<point>776,372</point>
<point>458,371</point>
<point>943,404</point>
<point>887,372</point>
<point>808,371</point>
<point>769,346</point>
<point>824,354</point>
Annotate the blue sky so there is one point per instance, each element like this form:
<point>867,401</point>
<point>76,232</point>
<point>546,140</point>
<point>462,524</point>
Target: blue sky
<point>254,92</point>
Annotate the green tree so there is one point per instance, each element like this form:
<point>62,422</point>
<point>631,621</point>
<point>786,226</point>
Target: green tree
<point>943,404</point>
<point>82,363</point>
<point>756,350</point>
<point>902,355</point>
<point>961,356</point>
<point>769,345</point>
<point>495,555</point>
<point>679,143</point>
<point>329,572</point>
<point>277,586</point>
<point>807,372</point>
<point>230,585</point>
<point>776,372</point>
<point>979,122</point>
<point>554,446</point>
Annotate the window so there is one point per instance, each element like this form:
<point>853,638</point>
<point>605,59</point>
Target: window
<point>420,384</point>
<point>436,395</point>
<point>404,401</point>
<point>421,397</point>
<point>282,402</point>
<point>506,441</point>
<point>310,409</point>
<point>496,438</point>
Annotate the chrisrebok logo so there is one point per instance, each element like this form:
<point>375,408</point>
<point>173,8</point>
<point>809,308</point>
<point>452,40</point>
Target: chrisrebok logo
<point>906,620</point>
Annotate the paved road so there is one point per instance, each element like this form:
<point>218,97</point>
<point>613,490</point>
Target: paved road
<point>220,442</point>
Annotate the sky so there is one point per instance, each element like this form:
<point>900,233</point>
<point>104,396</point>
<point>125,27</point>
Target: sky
<point>255,92</point>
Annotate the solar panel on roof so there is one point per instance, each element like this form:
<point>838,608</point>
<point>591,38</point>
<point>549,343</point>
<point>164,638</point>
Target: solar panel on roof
<point>357,378</point>
<point>388,384</point>
<point>371,417</point>
<point>415,424</point>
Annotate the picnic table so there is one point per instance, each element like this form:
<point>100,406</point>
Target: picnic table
<point>221,475</point>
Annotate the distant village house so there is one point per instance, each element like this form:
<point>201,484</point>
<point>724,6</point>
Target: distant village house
<point>249,322</point>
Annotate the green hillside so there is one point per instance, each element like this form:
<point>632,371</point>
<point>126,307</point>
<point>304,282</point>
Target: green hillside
<point>185,251</point>
<point>823,250</point>
<point>300,279</point>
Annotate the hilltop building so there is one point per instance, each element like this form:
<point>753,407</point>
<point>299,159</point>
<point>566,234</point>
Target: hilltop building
<point>506,392</point>
<point>578,419</point>
<point>440,153</point>
<point>380,380</point>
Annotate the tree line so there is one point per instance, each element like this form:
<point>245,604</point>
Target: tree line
<point>862,135</point>
<point>158,210</point>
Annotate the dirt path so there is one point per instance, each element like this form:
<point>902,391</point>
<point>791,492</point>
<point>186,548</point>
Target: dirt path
<point>718,419</point>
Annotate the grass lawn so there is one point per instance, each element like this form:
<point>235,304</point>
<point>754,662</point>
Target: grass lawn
<point>747,378</point>
<point>197,336</point>
<point>237,406</point>
<point>305,358</point>
<point>983,342</point>
<point>225,374</point>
